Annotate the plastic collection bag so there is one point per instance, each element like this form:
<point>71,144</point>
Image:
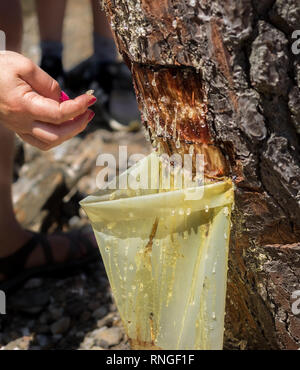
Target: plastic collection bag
<point>165,254</point>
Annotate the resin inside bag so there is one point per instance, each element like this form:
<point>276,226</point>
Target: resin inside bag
<point>165,254</point>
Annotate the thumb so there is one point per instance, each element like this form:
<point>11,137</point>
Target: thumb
<point>41,82</point>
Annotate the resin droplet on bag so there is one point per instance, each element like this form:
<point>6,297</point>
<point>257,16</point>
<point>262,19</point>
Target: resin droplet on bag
<point>169,276</point>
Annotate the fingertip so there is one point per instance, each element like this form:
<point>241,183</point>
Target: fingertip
<point>91,116</point>
<point>87,99</point>
<point>55,91</point>
<point>86,119</point>
<point>92,100</point>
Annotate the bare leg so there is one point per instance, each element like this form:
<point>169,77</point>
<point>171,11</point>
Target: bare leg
<point>101,24</point>
<point>122,102</point>
<point>11,23</point>
<point>11,234</point>
<point>51,18</point>
<point>104,44</point>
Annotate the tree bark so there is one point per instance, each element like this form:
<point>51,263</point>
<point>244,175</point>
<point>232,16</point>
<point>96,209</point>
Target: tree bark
<point>220,76</point>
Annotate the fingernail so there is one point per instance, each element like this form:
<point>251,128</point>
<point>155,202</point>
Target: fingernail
<point>63,97</point>
<point>91,116</point>
<point>92,101</point>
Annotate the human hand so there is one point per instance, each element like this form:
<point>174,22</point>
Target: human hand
<point>31,106</point>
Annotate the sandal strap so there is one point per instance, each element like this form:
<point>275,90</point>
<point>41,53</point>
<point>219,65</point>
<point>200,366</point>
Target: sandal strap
<point>77,242</point>
<point>84,240</point>
<point>15,263</point>
<point>47,249</point>
<point>74,246</point>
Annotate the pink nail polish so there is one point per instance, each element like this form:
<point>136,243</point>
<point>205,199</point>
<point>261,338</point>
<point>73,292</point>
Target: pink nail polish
<point>92,101</point>
<point>63,97</point>
<point>91,116</point>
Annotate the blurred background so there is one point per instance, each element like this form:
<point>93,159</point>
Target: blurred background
<point>77,312</point>
<point>77,38</point>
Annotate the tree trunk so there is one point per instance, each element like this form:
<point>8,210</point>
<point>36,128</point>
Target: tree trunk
<point>221,76</point>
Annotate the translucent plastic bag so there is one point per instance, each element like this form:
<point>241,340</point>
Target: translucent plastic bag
<point>165,254</point>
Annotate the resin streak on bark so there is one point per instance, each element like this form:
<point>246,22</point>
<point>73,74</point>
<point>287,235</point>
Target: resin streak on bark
<point>174,108</point>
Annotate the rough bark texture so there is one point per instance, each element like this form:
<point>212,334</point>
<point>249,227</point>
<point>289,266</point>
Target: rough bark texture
<point>225,73</point>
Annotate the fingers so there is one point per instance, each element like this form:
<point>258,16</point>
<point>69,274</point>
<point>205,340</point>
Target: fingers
<point>46,136</point>
<point>40,81</point>
<point>55,135</point>
<point>34,142</point>
<point>48,110</point>
<point>73,108</point>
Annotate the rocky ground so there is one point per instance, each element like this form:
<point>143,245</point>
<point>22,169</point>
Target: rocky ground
<point>70,312</point>
<point>75,311</point>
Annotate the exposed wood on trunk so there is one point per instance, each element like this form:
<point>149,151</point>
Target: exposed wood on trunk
<point>174,109</point>
<point>242,86</point>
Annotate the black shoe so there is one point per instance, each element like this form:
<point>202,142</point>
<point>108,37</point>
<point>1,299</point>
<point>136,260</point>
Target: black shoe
<point>122,104</point>
<point>54,67</point>
<point>79,78</point>
<point>112,83</point>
